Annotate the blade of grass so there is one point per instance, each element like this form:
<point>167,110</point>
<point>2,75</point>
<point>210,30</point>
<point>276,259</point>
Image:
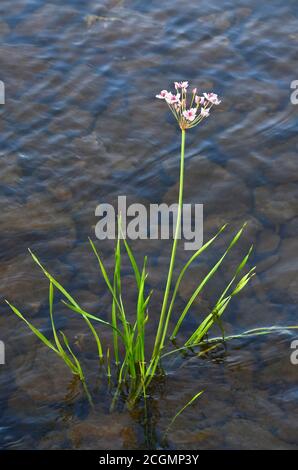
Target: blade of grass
<point>56,338</point>
<point>181,411</point>
<point>180,277</point>
<point>140,340</point>
<point>104,274</point>
<point>108,364</point>
<point>245,334</point>
<point>240,267</point>
<point>89,315</point>
<point>218,310</point>
<point>127,329</point>
<point>60,352</point>
<point>189,262</point>
<point>77,362</point>
<point>53,280</point>
<point>115,326</point>
<point>116,296</point>
<point>79,368</point>
<point>204,282</point>
<point>33,329</point>
<point>72,301</point>
<point>237,272</point>
<point>96,337</point>
<point>132,260</point>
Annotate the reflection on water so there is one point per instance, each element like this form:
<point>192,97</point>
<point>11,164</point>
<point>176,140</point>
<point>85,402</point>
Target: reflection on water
<point>81,126</point>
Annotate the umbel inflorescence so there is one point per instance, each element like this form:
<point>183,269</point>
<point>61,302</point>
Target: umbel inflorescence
<point>189,110</point>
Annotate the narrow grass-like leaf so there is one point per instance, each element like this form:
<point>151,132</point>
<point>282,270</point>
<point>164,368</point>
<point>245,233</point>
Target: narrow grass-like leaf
<point>183,271</point>
<point>115,326</point>
<point>128,333</point>
<point>245,334</point>
<point>108,363</point>
<point>102,268</point>
<point>59,351</point>
<point>64,355</point>
<point>96,337</point>
<point>181,411</point>
<point>88,315</point>
<point>140,342</point>
<point>113,290</point>
<point>53,280</point>
<point>237,272</point>
<point>133,263</point>
<point>72,301</point>
<point>218,310</point>
<point>33,329</point>
<point>204,282</point>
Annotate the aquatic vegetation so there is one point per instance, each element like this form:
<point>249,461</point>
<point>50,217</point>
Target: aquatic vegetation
<point>93,19</point>
<point>129,364</point>
<point>192,400</point>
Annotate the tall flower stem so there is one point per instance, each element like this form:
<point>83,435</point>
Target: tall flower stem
<point>163,321</point>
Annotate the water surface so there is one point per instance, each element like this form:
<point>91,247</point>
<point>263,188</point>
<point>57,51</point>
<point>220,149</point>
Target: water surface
<point>81,126</point>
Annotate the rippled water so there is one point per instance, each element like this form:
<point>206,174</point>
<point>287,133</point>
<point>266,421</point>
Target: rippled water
<point>80,126</point>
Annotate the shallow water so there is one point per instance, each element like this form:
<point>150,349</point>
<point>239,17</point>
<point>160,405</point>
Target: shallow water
<point>80,126</point>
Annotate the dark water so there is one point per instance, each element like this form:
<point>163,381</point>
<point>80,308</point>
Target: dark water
<point>80,126</point>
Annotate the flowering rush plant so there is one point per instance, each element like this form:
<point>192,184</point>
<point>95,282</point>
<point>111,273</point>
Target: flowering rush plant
<point>188,111</point>
<point>136,364</point>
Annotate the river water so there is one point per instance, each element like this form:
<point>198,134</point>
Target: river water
<point>81,126</point>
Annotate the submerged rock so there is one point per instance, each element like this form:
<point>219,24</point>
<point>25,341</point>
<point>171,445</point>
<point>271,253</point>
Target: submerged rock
<point>46,379</point>
<point>268,241</point>
<point>291,228</point>
<point>278,204</point>
<point>115,431</point>
<point>283,168</point>
<point>208,183</point>
<point>247,434</point>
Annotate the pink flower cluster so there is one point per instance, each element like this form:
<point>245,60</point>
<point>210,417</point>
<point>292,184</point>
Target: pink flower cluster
<point>189,113</point>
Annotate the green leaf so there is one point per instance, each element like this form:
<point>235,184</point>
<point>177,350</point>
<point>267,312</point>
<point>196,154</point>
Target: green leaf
<point>181,411</point>
<point>204,282</point>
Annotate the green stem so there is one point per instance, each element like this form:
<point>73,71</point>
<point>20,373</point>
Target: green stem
<point>162,326</point>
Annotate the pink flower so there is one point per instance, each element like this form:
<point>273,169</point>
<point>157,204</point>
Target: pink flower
<point>190,114</point>
<point>199,100</point>
<point>180,103</point>
<point>205,112</point>
<point>183,85</point>
<point>172,99</point>
<point>212,98</point>
<point>162,95</point>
